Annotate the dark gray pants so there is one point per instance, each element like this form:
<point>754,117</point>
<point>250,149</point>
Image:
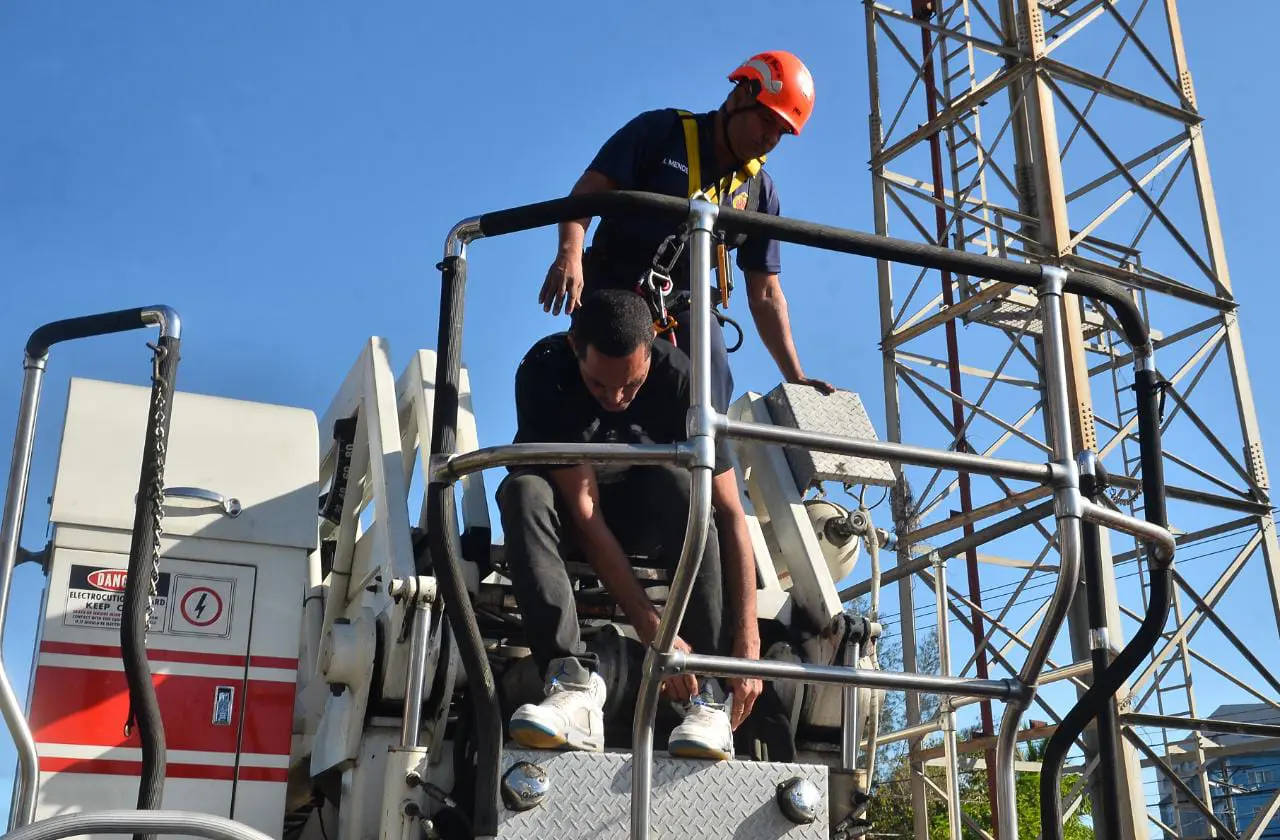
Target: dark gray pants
<point>647,511</point>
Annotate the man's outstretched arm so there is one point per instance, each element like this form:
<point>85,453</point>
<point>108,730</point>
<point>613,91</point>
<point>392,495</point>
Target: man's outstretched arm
<point>563,284</point>
<point>769,311</point>
<point>616,166</point>
<point>577,488</point>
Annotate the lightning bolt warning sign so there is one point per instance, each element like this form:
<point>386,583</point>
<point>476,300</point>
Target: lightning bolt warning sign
<point>203,606</point>
<point>196,603</point>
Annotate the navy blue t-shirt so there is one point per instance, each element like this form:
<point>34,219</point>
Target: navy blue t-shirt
<point>648,154</point>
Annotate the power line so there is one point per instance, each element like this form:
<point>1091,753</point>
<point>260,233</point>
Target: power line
<point>996,591</point>
<point>1032,587</point>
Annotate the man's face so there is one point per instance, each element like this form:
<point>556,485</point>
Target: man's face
<point>615,380</point>
<point>756,131</point>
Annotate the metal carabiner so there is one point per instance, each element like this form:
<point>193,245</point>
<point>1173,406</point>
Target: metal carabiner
<point>654,287</point>
<point>679,237</point>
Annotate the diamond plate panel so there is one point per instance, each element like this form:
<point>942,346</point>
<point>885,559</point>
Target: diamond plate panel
<point>841,413</point>
<point>590,797</point>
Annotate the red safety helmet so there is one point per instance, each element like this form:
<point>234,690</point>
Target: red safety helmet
<point>785,85</point>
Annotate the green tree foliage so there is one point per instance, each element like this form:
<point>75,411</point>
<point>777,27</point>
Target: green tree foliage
<point>891,810</point>
<point>893,707</point>
<point>892,814</point>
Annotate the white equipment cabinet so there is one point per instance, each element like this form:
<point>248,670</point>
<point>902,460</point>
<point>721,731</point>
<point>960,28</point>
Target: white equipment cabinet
<point>224,638</point>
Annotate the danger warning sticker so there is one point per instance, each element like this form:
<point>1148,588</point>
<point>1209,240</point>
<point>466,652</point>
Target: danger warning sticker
<point>95,598</point>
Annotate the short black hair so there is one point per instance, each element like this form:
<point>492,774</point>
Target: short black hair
<point>614,321</point>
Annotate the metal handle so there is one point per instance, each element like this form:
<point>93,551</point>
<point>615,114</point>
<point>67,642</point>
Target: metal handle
<point>27,792</point>
<point>230,505</point>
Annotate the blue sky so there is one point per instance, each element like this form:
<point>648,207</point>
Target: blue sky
<point>284,174</point>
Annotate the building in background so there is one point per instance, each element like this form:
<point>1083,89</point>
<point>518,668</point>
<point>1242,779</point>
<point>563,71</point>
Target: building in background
<point>1243,773</point>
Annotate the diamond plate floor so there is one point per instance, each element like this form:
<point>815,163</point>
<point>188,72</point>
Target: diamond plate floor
<point>591,798</point>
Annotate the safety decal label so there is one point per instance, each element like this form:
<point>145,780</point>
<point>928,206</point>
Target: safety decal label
<point>224,697</point>
<point>202,605</point>
<point>95,598</point>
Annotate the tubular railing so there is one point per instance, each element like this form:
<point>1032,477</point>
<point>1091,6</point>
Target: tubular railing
<point>1071,509</point>
<point>35,359</point>
<point>703,219</point>
<point>189,823</point>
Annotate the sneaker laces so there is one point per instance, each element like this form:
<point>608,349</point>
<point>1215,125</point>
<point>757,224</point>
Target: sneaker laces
<point>703,710</point>
<point>561,694</point>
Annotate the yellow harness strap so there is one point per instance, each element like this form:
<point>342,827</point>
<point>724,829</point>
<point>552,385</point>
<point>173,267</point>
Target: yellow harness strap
<point>727,187</point>
<point>693,151</point>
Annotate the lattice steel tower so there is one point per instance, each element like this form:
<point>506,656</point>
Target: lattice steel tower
<point>1067,131</point>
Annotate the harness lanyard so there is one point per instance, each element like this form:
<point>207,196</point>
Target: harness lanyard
<point>717,193</point>
<point>724,279</point>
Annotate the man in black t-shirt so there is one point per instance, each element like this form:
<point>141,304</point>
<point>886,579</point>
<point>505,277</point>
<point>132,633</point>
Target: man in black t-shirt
<point>608,381</point>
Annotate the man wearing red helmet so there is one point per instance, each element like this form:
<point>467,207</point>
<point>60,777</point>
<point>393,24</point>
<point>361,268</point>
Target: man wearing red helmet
<point>719,154</point>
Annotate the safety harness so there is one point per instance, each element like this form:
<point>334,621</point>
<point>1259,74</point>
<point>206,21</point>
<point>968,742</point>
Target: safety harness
<point>656,284</point>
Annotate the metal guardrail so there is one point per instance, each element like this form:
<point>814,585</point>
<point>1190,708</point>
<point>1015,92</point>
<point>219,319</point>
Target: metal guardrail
<point>703,219</point>
<point>35,358</point>
<point>190,823</point>
<point>1071,508</point>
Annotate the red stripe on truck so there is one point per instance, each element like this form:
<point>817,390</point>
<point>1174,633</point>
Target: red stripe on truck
<point>117,767</point>
<point>90,707</point>
<point>153,654</point>
<point>268,718</point>
<point>160,655</point>
<point>285,662</point>
<point>262,774</point>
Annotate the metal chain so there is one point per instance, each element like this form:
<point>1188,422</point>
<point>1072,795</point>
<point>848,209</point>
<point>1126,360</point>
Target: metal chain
<point>157,482</point>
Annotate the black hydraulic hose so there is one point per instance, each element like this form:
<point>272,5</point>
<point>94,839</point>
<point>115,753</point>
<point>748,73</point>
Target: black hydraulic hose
<point>1147,386</point>
<point>613,204</point>
<point>1108,816</point>
<point>444,545</point>
<point>1099,694</point>
<point>144,709</point>
<point>1127,314</point>
<point>632,204</point>
<point>84,326</point>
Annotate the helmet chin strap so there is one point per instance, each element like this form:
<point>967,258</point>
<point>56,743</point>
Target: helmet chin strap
<point>728,116</point>
<point>728,138</point>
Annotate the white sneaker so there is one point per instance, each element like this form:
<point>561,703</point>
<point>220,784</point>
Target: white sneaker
<point>705,731</point>
<point>572,715</point>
